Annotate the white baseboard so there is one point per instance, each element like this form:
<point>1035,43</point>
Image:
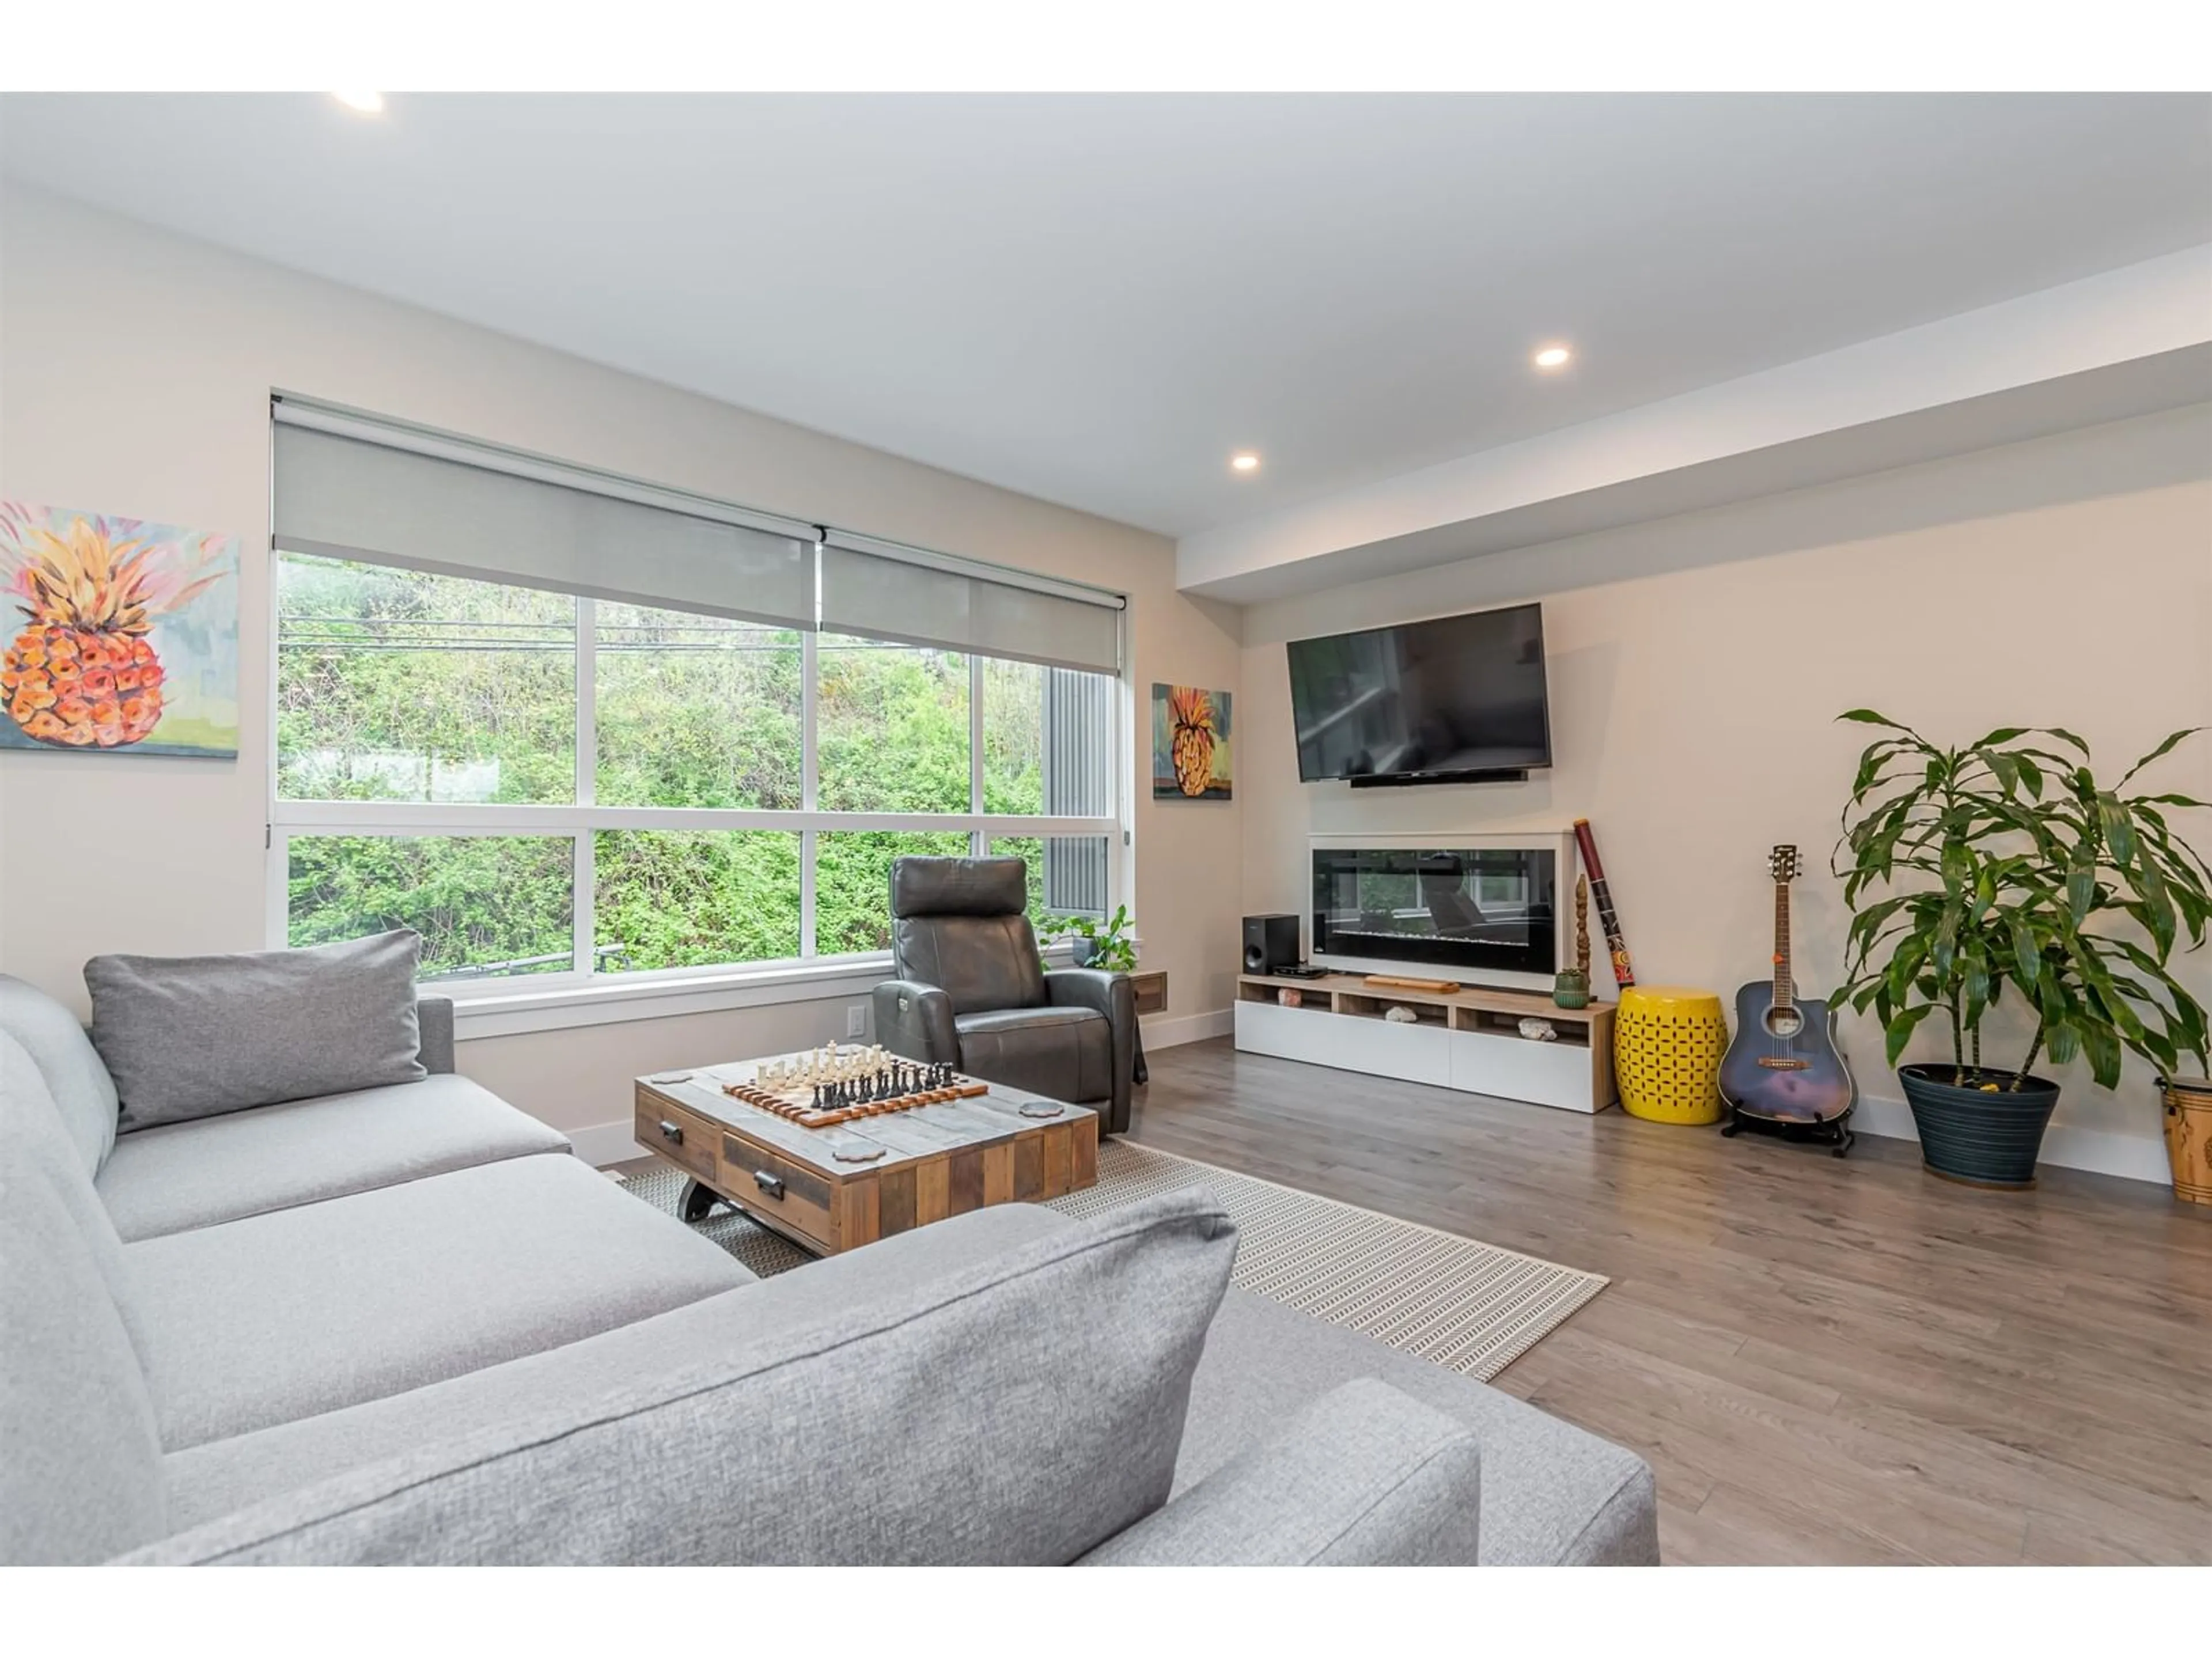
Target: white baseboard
<point>2134,1158</point>
<point>1191,1028</point>
<point>601,1144</point>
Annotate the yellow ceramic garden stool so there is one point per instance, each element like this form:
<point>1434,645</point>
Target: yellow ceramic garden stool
<point>1666,1046</point>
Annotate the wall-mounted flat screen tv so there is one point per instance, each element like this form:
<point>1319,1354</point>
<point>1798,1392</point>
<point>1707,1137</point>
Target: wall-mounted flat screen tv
<point>1453,700</point>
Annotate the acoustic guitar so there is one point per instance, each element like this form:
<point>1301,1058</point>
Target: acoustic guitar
<point>1782,1071</point>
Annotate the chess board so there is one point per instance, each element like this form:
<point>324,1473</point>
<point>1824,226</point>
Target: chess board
<point>834,1086</point>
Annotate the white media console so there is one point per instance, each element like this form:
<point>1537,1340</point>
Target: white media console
<point>1469,1039</point>
<point>1457,897</point>
<point>1463,1040</point>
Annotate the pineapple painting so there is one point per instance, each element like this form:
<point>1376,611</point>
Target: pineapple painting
<point>124,636</point>
<point>1190,744</point>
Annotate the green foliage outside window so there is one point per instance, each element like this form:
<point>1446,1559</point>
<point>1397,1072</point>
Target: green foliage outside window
<point>398,685</point>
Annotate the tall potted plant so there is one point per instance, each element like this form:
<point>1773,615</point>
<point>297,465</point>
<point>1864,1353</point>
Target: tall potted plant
<point>2004,867</point>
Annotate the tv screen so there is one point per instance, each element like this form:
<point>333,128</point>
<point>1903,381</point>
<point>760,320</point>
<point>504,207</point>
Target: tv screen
<point>1426,702</point>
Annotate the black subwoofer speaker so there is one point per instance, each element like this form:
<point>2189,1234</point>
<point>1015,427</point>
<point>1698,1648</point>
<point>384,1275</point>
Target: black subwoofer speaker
<point>1271,944</point>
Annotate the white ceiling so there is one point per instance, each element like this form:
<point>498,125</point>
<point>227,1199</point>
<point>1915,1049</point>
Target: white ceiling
<point>1095,300</point>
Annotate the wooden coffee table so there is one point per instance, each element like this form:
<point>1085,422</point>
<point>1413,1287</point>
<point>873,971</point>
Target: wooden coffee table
<point>897,1171</point>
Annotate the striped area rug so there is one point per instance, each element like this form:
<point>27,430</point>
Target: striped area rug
<point>1469,1307</point>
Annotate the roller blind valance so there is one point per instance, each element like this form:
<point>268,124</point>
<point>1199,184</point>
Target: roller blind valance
<point>353,498</point>
<point>887,596</point>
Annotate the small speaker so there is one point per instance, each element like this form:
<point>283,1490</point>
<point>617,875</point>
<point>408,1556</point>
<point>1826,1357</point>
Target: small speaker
<point>1271,944</point>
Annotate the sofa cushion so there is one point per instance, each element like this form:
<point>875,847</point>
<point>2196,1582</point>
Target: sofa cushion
<point>1064,1053</point>
<point>82,1091</point>
<point>33,1138</point>
<point>80,1473</point>
<point>212,1479</point>
<point>1365,1477</point>
<point>188,1037</point>
<point>180,1176</point>
<point>281,1315</point>
<point>1020,1409</point>
<point>1551,1494</point>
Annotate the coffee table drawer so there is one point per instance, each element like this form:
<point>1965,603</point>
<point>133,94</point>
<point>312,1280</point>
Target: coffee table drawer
<point>777,1188</point>
<point>679,1136</point>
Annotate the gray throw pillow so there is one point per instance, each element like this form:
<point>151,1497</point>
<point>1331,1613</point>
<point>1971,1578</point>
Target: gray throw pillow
<point>193,1037</point>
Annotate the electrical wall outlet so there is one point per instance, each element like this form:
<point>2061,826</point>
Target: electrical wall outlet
<point>856,1020</point>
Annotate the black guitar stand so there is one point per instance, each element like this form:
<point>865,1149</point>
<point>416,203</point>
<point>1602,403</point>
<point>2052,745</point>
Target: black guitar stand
<point>1834,1133</point>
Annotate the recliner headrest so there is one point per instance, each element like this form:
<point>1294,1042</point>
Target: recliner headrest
<point>959,887</point>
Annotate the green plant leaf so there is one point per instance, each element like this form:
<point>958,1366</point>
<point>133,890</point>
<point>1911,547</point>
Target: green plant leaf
<point>2120,828</point>
<point>1867,717</point>
<point>1900,1030</point>
<point>2006,769</point>
<point>2080,892</point>
<point>2165,748</point>
<point>2103,1049</point>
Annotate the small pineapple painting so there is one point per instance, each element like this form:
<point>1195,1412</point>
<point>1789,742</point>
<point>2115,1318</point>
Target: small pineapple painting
<point>124,636</point>
<point>1190,744</point>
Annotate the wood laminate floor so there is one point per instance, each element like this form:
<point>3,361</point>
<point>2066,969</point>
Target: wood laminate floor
<point>1825,1361</point>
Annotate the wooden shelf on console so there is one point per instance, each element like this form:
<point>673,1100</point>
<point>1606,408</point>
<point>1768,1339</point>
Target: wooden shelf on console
<point>1467,1039</point>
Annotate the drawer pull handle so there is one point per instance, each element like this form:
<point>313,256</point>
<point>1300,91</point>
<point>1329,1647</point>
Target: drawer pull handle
<point>772,1185</point>
<point>671,1132</point>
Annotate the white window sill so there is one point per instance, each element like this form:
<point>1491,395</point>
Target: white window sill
<point>482,1011</point>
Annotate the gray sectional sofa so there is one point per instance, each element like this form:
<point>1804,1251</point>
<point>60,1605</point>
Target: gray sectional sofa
<point>404,1324</point>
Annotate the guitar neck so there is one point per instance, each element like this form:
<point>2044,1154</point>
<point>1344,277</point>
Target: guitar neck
<point>1784,990</point>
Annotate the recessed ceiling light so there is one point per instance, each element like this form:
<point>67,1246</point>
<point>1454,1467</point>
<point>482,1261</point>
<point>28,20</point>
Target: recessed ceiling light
<point>1245,462</point>
<point>362,103</point>
<point>1554,356</point>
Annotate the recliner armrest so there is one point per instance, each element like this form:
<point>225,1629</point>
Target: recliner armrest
<point>435,1016</point>
<point>915,1020</point>
<point>1114,996</point>
<point>1365,1476</point>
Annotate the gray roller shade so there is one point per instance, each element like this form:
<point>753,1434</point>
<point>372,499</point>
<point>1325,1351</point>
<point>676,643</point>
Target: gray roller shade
<point>349,498</point>
<point>884,598</point>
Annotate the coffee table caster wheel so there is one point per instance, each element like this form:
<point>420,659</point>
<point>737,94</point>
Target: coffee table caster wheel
<point>1843,1147</point>
<point>697,1202</point>
<point>1731,1128</point>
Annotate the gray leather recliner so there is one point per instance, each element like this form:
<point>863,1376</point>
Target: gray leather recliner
<point>972,990</point>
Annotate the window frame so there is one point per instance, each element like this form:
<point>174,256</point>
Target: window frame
<point>515,1001</point>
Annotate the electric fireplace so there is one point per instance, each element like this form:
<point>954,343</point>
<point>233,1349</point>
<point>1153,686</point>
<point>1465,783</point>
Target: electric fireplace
<point>1482,909</point>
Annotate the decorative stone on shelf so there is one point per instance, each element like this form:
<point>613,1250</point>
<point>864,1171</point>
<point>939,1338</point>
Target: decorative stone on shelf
<point>1398,1015</point>
<point>1539,1030</point>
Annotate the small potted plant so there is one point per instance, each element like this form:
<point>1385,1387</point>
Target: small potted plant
<point>1094,944</point>
<point>2003,866</point>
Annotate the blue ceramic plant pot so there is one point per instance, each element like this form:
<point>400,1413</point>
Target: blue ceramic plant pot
<point>1981,1136</point>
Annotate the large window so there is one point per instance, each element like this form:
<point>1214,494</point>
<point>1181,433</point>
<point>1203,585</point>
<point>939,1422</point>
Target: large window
<point>549,784</point>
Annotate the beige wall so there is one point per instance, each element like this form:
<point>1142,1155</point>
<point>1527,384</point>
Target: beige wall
<point>135,374</point>
<point>1698,663</point>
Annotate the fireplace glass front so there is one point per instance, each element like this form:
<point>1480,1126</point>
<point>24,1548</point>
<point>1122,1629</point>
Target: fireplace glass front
<point>1470,910</point>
